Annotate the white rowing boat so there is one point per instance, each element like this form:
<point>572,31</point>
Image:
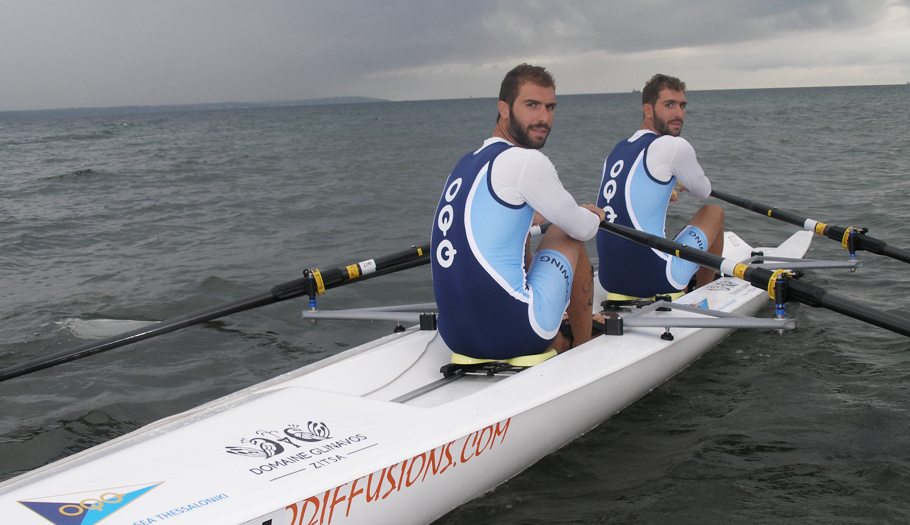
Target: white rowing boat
<point>376,434</point>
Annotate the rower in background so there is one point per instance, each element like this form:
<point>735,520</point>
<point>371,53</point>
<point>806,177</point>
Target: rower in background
<point>638,183</point>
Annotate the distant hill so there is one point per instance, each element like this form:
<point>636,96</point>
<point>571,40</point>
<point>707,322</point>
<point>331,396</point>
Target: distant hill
<point>141,110</point>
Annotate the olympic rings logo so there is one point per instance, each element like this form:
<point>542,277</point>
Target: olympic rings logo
<point>91,504</point>
<point>445,251</point>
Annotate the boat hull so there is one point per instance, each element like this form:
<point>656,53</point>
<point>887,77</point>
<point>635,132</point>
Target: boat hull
<point>333,442</point>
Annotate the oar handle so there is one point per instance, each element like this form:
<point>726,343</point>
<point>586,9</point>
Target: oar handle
<point>764,279</point>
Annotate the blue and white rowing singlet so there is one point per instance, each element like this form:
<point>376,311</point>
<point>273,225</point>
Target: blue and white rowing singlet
<point>632,197</point>
<point>489,308</point>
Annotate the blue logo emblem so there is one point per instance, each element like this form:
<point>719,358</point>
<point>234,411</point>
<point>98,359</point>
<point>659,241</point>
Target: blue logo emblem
<point>86,508</point>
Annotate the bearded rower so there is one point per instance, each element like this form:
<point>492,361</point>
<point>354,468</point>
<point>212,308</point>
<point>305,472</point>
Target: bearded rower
<point>496,300</point>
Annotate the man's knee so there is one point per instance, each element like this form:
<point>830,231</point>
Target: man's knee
<point>558,240</point>
<point>710,219</point>
<point>713,214</point>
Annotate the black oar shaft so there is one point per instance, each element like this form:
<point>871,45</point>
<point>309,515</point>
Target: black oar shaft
<point>815,296</point>
<point>416,256</point>
<point>140,334</point>
<point>894,253</point>
<point>762,278</point>
<point>836,233</point>
<point>763,209</point>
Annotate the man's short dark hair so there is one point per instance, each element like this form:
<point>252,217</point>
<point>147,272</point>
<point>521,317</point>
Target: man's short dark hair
<point>657,84</point>
<point>521,74</point>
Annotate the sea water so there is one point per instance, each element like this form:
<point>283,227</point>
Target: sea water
<point>108,222</point>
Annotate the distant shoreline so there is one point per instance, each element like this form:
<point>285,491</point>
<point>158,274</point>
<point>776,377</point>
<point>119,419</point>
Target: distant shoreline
<point>37,114</point>
<point>176,108</point>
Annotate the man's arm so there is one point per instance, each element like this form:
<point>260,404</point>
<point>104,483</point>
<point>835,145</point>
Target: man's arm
<point>540,187</point>
<point>527,176</point>
<point>669,156</point>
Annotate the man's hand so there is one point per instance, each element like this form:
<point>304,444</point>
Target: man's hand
<point>595,210</point>
<point>674,197</point>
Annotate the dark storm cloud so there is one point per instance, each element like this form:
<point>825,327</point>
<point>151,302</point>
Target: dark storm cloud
<point>110,52</point>
<point>414,34</point>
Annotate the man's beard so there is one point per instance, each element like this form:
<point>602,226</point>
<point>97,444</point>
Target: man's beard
<point>521,134</point>
<point>663,126</point>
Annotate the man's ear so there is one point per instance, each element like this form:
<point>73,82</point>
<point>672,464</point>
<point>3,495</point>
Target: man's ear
<point>648,110</point>
<point>503,110</point>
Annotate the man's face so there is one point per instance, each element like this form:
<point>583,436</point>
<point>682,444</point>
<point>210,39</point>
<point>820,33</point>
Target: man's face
<point>669,112</point>
<point>531,115</point>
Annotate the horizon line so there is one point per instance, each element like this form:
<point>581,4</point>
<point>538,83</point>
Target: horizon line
<point>328,101</point>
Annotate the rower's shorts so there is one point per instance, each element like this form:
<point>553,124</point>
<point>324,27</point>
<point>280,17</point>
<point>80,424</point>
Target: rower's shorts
<point>550,278</point>
<point>680,271</point>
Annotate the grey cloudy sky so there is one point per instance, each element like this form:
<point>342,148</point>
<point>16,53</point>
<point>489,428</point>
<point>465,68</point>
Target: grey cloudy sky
<point>96,53</point>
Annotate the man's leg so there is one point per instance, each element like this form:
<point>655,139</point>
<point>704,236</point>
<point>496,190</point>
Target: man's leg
<point>582,295</point>
<point>709,219</point>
